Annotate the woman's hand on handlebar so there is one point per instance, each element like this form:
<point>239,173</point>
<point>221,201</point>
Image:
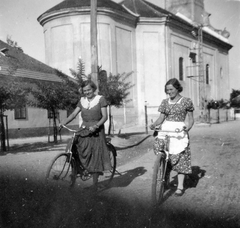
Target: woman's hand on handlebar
<point>60,126</point>
<point>93,128</point>
<point>183,129</point>
<point>154,127</point>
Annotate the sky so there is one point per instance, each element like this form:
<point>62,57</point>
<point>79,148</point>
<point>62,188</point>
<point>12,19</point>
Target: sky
<point>18,20</point>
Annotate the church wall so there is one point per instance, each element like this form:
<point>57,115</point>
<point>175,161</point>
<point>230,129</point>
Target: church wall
<point>71,35</point>
<point>222,71</point>
<point>151,69</point>
<point>209,55</point>
<point>68,38</point>
<point>124,54</point>
<point>151,51</point>
<point>180,45</point>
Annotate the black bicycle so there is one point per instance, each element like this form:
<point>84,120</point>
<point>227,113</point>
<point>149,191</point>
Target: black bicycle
<point>160,178</point>
<point>66,167</point>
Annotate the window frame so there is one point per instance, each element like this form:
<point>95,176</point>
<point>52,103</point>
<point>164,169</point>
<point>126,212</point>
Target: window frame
<point>180,69</point>
<point>20,113</point>
<point>50,114</point>
<point>207,74</point>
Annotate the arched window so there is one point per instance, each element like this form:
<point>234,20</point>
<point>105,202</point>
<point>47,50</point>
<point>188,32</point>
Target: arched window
<point>180,63</point>
<point>207,74</point>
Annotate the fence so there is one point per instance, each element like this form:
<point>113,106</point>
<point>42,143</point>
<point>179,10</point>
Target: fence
<point>213,115</point>
<point>221,115</point>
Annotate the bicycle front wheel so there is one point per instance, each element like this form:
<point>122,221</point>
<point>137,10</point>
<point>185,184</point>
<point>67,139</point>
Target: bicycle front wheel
<point>62,170</point>
<point>158,180</point>
<point>106,177</point>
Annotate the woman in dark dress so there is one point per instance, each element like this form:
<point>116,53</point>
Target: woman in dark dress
<point>92,150</point>
<point>173,113</point>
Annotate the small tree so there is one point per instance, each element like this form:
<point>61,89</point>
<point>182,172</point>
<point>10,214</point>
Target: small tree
<point>80,75</point>
<point>115,89</point>
<point>217,104</point>
<point>235,99</point>
<point>13,43</point>
<point>54,96</point>
<point>13,94</point>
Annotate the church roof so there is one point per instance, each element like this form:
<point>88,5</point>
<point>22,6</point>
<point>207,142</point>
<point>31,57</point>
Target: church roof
<point>134,7</point>
<point>144,8</point>
<point>71,4</point>
<point>137,9</point>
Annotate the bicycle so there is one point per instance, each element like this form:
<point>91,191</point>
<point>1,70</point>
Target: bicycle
<point>66,167</point>
<point>160,180</point>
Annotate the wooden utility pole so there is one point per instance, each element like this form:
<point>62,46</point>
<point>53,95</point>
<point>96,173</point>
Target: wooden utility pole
<point>94,53</point>
<point>202,80</point>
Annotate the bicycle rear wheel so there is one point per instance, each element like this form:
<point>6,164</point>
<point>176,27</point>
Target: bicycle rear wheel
<point>158,180</point>
<point>62,170</point>
<point>106,177</point>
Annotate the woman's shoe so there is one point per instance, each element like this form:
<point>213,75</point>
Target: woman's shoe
<point>179,192</point>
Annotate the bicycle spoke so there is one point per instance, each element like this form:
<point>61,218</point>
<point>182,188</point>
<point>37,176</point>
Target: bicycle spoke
<point>158,180</point>
<point>61,171</point>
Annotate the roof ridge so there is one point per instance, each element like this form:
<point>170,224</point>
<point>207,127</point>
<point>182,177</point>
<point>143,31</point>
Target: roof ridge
<point>23,60</point>
<point>69,4</point>
<point>151,6</point>
<point>143,8</point>
<point>130,11</point>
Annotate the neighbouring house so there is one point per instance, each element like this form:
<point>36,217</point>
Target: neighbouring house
<point>156,43</point>
<point>26,121</point>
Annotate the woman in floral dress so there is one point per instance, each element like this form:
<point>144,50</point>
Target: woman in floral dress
<point>92,150</point>
<point>173,113</point>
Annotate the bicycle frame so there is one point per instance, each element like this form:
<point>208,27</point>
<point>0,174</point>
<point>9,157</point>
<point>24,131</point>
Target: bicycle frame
<point>70,145</point>
<point>160,168</point>
<point>85,175</point>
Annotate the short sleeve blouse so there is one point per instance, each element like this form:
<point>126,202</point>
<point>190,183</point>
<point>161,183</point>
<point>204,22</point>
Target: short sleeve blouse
<point>91,111</point>
<point>176,111</point>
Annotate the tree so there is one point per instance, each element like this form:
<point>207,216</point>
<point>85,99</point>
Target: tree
<point>235,99</point>
<point>79,75</point>
<point>115,89</point>
<point>54,96</point>
<point>13,43</point>
<point>13,94</point>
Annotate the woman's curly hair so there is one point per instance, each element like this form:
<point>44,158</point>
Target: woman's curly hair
<point>175,83</point>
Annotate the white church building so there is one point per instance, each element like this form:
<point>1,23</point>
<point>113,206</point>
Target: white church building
<point>156,43</point>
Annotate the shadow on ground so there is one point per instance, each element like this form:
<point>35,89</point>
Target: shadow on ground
<point>33,203</point>
<point>125,178</point>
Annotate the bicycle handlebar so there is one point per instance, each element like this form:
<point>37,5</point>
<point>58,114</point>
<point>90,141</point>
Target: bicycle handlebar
<point>177,130</point>
<point>72,130</point>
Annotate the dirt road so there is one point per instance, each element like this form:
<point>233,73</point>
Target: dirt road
<point>212,197</point>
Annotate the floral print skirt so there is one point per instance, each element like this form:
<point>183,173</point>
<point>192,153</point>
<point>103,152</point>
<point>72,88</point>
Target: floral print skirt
<point>183,163</point>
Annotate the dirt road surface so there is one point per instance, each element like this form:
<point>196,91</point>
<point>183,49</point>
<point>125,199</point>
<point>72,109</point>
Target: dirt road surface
<point>211,199</point>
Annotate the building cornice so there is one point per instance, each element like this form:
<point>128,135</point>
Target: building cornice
<point>120,16</point>
<point>148,20</point>
<point>213,40</point>
<point>180,24</point>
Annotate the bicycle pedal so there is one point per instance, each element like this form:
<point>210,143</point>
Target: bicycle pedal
<point>55,177</point>
<point>86,173</point>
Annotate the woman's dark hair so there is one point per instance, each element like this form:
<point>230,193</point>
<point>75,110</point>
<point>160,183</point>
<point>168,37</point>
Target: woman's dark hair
<point>175,83</point>
<point>89,82</point>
